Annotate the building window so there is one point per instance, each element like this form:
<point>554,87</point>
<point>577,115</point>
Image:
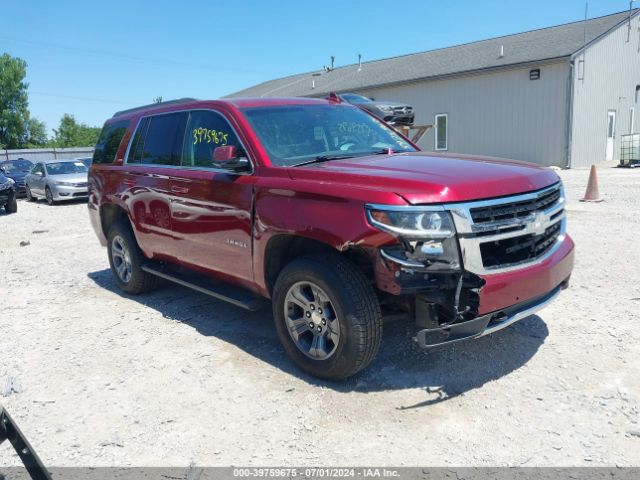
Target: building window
<point>442,131</point>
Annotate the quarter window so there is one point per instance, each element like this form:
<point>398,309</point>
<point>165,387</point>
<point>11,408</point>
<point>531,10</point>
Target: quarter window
<point>442,131</point>
<point>109,142</point>
<point>206,131</point>
<point>158,140</point>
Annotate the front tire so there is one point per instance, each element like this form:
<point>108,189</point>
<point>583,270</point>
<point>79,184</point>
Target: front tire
<point>49,196</point>
<point>30,197</point>
<point>126,259</point>
<point>12,205</point>
<point>327,316</point>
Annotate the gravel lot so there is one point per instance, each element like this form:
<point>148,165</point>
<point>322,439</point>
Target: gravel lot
<point>97,378</point>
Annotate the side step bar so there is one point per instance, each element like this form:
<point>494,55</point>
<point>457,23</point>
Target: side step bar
<point>222,291</point>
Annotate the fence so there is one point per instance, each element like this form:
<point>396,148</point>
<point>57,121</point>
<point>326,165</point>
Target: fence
<point>37,154</point>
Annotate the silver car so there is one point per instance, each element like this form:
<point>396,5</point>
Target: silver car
<point>57,180</point>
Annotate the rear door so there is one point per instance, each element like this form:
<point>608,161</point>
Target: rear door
<point>148,173</point>
<point>211,206</point>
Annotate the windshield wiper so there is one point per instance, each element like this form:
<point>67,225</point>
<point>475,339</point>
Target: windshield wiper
<point>323,158</point>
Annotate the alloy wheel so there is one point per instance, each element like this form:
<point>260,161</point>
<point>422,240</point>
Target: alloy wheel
<point>121,259</point>
<point>311,320</point>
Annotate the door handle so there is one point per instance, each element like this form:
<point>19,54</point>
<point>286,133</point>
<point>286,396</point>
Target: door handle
<point>176,189</point>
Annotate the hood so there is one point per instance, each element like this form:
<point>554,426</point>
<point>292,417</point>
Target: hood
<point>423,177</point>
<point>71,177</point>
<point>16,175</point>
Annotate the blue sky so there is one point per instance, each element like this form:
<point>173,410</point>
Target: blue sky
<point>93,58</point>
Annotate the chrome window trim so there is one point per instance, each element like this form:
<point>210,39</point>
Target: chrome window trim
<point>184,167</point>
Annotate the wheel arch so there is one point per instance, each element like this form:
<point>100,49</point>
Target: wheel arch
<point>282,249</point>
<point>110,214</point>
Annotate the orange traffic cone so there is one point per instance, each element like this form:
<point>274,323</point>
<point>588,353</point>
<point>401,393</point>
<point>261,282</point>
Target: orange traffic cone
<point>592,194</point>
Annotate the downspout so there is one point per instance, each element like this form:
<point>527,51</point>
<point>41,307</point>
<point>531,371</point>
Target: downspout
<point>572,71</point>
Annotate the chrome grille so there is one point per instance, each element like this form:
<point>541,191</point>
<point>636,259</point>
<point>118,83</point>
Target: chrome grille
<point>515,210</point>
<point>508,233</point>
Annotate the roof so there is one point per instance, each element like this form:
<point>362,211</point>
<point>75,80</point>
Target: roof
<point>190,103</point>
<point>537,45</point>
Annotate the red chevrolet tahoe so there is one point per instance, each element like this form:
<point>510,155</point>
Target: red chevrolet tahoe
<point>331,214</point>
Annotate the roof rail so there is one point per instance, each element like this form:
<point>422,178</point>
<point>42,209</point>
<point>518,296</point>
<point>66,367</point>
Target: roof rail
<point>157,104</point>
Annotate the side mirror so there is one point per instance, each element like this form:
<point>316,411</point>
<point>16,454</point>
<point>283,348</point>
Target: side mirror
<point>1,169</point>
<point>228,156</point>
<point>225,154</point>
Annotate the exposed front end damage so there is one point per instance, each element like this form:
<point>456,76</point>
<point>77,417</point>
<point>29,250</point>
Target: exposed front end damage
<point>435,299</point>
<point>488,265</point>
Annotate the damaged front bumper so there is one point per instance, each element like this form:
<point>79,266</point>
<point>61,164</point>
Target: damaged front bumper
<point>450,306</point>
<point>485,324</point>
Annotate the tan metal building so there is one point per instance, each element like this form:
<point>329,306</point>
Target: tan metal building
<point>560,96</point>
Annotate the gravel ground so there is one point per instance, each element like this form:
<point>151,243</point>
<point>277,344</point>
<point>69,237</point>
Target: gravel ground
<point>97,378</point>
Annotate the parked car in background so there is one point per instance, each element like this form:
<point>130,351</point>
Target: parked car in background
<point>86,160</point>
<point>57,180</point>
<point>391,112</point>
<point>8,194</point>
<point>17,170</point>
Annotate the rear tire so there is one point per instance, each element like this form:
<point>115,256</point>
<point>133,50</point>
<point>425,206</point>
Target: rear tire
<point>126,260</point>
<point>345,295</point>
<point>12,205</point>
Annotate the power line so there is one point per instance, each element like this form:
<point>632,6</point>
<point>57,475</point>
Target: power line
<point>126,56</point>
<point>72,97</point>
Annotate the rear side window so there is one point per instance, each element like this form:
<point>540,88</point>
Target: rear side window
<point>109,141</point>
<point>206,131</point>
<point>158,140</point>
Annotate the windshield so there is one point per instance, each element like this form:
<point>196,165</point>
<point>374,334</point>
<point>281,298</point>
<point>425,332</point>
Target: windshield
<point>62,168</point>
<point>16,166</point>
<point>354,98</point>
<point>296,134</point>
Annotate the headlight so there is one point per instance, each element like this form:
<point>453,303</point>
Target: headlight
<point>428,236</point>
<point>385,108</point>
<point>8,184</point>
<point>412,223</point>
<point>66,184</point>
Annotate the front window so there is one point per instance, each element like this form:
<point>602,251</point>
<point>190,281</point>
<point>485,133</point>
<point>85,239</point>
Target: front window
<point>297,134</point>
<point>63,168</point>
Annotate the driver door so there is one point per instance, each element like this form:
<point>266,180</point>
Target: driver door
<point>211,206</point>
<point>36,180</point>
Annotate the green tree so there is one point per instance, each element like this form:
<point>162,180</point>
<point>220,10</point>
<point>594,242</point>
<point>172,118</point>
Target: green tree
<point>14,113</point>
<point>157,99</point>
<point>36,133</point>
<point>70,133</point>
